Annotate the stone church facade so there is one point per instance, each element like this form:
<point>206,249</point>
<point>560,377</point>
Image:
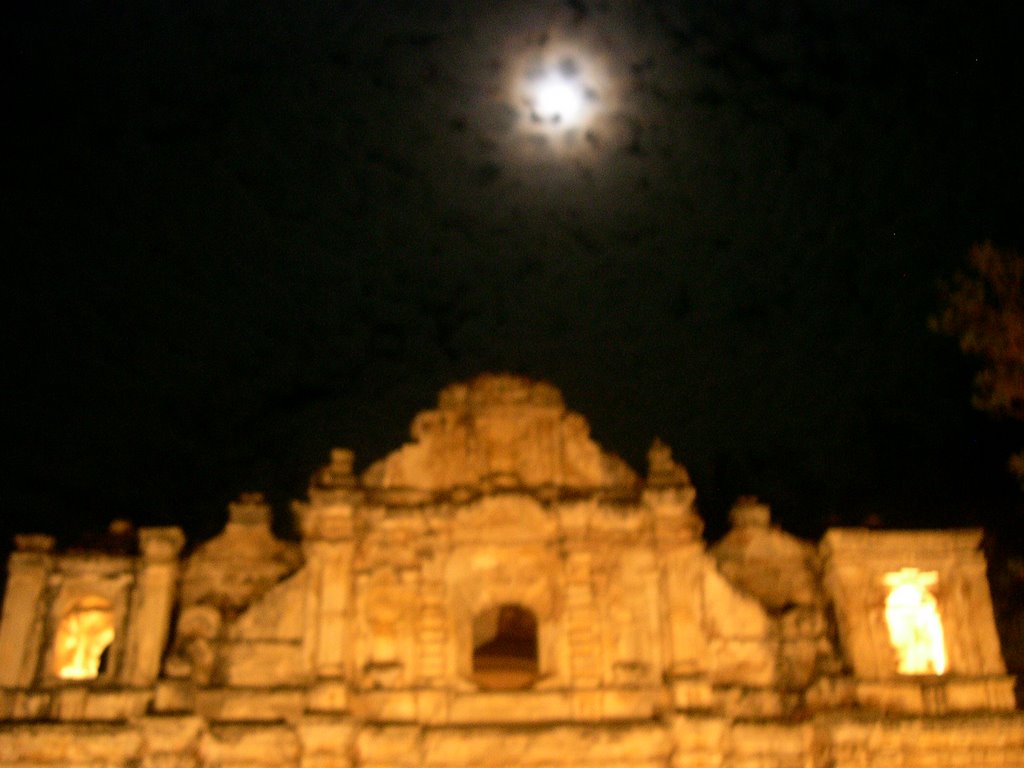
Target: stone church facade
<point>502,592</point>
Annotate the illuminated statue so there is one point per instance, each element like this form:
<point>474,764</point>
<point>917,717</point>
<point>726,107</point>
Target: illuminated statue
<point>84,633</point>
<point>915,628</point>
<point>500,590</point>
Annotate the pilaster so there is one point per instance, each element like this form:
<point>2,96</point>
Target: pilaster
<point>326,522</point>
<point>21,626</point>
<point>153,598</point>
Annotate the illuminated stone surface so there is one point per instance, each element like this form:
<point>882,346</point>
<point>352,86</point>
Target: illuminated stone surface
<point>915,627</point>
<point>501,591</point>
<point>82,636</point>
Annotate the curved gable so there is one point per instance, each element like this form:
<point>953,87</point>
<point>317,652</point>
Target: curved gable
<point>500,430</point>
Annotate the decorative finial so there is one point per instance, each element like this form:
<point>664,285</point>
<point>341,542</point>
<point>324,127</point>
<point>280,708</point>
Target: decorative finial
<point>662,469</point>
<point>339,474</point>
<point>251,508</point>
<point>750,512</point>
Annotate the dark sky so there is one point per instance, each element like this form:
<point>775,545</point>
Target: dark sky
<point>243,233</point>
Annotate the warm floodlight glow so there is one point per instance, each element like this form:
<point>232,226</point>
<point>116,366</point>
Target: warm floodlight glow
<point>83,635</point>
<point>915,628</point>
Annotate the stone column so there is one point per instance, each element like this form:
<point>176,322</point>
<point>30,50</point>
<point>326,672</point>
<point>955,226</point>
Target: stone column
<point>153,597</point>
<point>582,628</point>
<point>330,564</point>
<point>972,638</point>
<point>327,642</point>
<point>682,562</point>
<point>669,499</point>
<point>326,522</point>
<point>683,568</point>
<point>582,621</point>
<point>432,629</point>
<point>24,608</point>
<point>681,558</point>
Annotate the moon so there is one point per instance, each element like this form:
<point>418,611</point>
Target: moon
<point>561,93</point>
<point>559,99</point>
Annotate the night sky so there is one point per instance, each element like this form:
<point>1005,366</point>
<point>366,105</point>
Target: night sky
<point>239,234</point>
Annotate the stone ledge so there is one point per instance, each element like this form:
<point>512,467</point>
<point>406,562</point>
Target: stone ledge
<point>950,741</point>
<point>228,705</point>
<point>838,739</point>
<point>74,703</point>
<point>246,745</point>
<point>68,744</point>
<point>556,744</point>
<point>937,696</point>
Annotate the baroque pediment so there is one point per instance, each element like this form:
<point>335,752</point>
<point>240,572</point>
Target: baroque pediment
<point>503,518</point>
<point>500,431</point>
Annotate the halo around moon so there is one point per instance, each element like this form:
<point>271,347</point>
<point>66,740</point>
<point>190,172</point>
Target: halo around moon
<point>561,94</point>
<point>558,96</point>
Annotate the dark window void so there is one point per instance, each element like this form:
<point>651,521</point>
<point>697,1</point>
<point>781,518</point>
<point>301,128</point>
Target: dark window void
<point>505,648</point>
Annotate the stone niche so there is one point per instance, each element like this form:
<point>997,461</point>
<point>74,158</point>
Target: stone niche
<point>503,591</point>
<point>81,624</point>
<point>915,621</point>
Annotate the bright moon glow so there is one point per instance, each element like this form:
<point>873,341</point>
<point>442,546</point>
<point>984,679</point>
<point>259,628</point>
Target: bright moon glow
<point>82,636</point>
<point>558,99</point>
<point>915,628</point>
<point>560,92</point>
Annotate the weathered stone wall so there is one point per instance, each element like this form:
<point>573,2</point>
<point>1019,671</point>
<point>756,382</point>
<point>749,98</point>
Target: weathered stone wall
<point>355,647</point>
<point>684,741</point>
<point>980,741</point>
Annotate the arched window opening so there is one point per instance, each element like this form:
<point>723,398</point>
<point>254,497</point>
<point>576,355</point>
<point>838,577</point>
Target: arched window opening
<point>915,627</point>
<point>84,635</point>
<point>505,648</point>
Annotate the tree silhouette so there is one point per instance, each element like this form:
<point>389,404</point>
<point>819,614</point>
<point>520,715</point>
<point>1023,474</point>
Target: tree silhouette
<point>984,308</point>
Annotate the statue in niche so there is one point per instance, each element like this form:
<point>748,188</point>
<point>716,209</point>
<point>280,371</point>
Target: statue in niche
<point>83,637</point>
<point>915,627</point>
<point>387,603</point>
<point>193,655</point>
